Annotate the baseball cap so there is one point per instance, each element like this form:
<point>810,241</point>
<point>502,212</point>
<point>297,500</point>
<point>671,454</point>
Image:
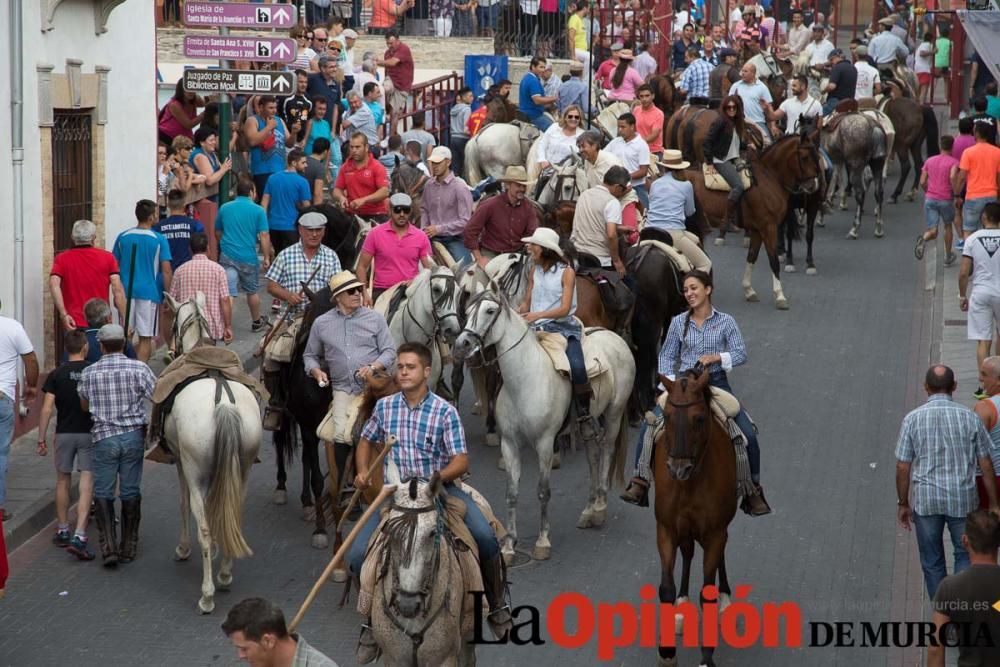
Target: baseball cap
<point>400,199</point>
<point>349,34</point>
<point>837,53</point>
<point>111,332</point>
<point>617,46</point>
<point>440,153</point>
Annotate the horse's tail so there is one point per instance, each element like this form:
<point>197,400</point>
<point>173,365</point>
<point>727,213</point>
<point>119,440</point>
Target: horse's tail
<point>616,476</point>
<point>224,505</point>
<point>931,131</point>
<point>472,172</point>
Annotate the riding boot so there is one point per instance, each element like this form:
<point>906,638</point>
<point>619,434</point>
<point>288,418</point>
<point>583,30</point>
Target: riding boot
<point>637,492</point>
<point>590,428</point>
<point>368,650</point>
<point>495,582</point>
<point>104,514</point>
<point>130,529</point>
<point>755,504</point>
<point>732,214</point>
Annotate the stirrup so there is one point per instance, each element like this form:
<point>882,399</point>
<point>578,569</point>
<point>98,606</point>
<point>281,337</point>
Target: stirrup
<point>637,492</point>
<point>590,427</point>
<point>501,622</point>
<point>367,651</point>
<point>272,418</point>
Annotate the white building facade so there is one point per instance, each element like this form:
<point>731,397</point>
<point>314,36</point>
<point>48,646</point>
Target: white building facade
<point>89,138</point>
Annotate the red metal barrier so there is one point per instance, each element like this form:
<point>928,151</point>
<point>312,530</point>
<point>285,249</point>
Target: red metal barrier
<point>434,99</point>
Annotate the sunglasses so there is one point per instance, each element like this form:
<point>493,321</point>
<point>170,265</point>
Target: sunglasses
<point>572,118</point>
<point>400,209</point>
<point>333,48</point>
<point>352,291</point>
<point>321,39</point>
<point>730,107</point>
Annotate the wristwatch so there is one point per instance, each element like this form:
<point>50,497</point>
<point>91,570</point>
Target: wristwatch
<point>901,503</point>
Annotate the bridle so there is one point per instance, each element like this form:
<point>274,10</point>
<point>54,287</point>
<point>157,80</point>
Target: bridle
<point>680,434</point>
<point>480,339</point>
<point>448,293</point>
<point>182,325</point>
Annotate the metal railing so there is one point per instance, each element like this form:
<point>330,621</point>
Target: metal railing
<point>434,99</point>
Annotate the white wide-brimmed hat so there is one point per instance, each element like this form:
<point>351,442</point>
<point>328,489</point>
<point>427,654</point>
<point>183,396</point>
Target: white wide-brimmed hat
<point>546,238</point>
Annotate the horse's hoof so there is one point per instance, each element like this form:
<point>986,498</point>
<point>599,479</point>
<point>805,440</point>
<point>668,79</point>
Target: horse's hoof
<point>666,662</point>
<point>340,575</point>
<point>820,222</point>
<point>309,513</point>
<point>477,408</point>
<point>556,461</point>
<point>724,601</point>
<point>224,584</point>
<point>781,304</point>
<point>598,517</point>
<point>206,605</point>
<point>182,554</point>
<point>541,552</point>
<point>501,464</point>
<point>790,268</point>
<point>752,297</point>
<point>586,519</point>
<point>720,241</point>
<point>811,271</point>
<point>893,200</point>
<point>508,556</point>
<point>843,207</point>
<point>280,497</point>
<point>853,234</point>
<point>492,439</point>
<point>320,541</point>
<point>879,232</point>
<point>910,197</point>
<point>746,242</point>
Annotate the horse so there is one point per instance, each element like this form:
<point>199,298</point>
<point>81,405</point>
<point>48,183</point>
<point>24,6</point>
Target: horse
<point>344,233</point>
<point>664,93</point>
<point>216,435</point>
<point>496,147</point>
<point>914,125</point>
<point>811,207</point>
<point>694,477</point>
<point>408,178</point>
<point>500,110</point>
<point>789,165</point>
<point>565,184</point>
<point>857,142</point>
<point>534,402</point>
<point>687,128</point>
<point>417,603</point>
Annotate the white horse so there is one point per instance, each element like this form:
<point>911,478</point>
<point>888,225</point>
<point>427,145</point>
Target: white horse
<point>534,403</point>
<point>216,442</point>
<point>496,147</point>
<point>417,607</point>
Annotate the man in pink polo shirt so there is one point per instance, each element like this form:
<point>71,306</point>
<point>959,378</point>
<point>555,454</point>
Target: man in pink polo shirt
<point>397,248</point>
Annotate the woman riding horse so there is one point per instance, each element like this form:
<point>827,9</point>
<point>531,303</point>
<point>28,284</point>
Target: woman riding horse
<point>549,305</point>
<point>723,143</point>
<point>711,338</point>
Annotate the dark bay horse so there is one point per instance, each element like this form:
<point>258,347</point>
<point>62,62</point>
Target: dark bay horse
<point>664,94</point>
<point>408,179</point>
<point>789,165</point>
<point>344,234</point>
<point>694,476</point>
<point>914,124</point>
<point>687,128</point>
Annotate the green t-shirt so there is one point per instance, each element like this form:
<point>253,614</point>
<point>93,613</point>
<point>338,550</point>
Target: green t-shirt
<point>942,58</point>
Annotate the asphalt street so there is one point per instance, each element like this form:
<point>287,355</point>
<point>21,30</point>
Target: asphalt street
<point>827,383</point>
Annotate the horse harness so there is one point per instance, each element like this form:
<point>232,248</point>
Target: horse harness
<point>493,320</point>
<point>180,329</point>
<point>452,285</point>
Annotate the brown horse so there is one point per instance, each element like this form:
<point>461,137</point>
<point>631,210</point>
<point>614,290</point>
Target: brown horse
<point>789,165</point>
<point>914,124</point>
<point>694,473</point>
<point>687,128</point>
<point>664,94</point>
<point>500,110</point>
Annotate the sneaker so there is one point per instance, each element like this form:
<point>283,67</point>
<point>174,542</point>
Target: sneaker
<point>61,539</point>
<point>959,245</point>
<point>258,324</point>
<point>980,394</point>
<point>78,547</point>
<point>918,250</point>
<point>949,259</point>
<point>275,305</point>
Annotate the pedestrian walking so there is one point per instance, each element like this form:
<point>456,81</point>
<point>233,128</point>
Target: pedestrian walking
<point>285,194</point>
<point>446,205</point>
<point>72,443</point>
<point>113,391</point>
<point>98,313</point>
<point>988,409</point>
<point>981,299</point>
<point>257,629</point>
<point>205,276</point>
<point>144,256</point>
<point>967,598</point>
<point>939,444</point>
<point>240,226</point>
<point>499,223</point>
<point>81,273</point>
<point>362,185</point>
<point>936,178</point>
<point>396,248</point>
<point>458,125</point>
<point>15,347</point>
<point>978,172</point>
<point>177,228</point>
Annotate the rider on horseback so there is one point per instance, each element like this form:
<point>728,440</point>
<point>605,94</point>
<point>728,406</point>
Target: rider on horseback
<point>711,338</point>
<point>430,439</point>
<point>723,143</point>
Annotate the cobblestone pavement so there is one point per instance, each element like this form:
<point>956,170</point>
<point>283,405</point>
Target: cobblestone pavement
<point>827,383</point>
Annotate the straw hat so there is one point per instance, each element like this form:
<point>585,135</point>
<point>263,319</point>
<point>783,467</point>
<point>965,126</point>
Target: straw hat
<point>674,159</point>
<point>546,238</point>
<point>889,20</point>
<point>626,54</point>
<point>515,174</point>
<point>343,281</point>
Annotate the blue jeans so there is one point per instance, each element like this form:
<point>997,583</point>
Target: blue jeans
<point>972,210</point>
<point>830,104</point>
<point>240,277</point>
<point>6,435</point>
<point>455,246</point>
<point>543,122</point>
<point>574,348</point>
<point>118,458</point>
<point>930,544</point>
<point>643,194</point>
<point>486,541</point>
<point>462,26</point>
<point>938,212</point>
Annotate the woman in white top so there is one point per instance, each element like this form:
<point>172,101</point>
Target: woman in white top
<point>559,141</point>
<point>303,52</point>
<point>549,305</point>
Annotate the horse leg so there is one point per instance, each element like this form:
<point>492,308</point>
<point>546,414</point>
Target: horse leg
<point>333,486</point>
<point>183,550</point>
<point>859,199</point>
<point>748,292</point>
<point>594,456</point>
<point>879,182</point>
<point>667,655</point>
<point>543,547</point>
<point>772,256</point>
<point>918,165</point>
<point>786,234</point>
<point>457,380</point>
<point>904,171</point>
<point>714,547</point>
<point>811,213</point>
<point>843,193</point>
<point>280,496</point>
<point>225,578</point>
<point>725,592</point>
<point>308,509</point>
<point>207,602</point>
<point>512,463</point>
<point>311,444</point>
<point>687,556</point>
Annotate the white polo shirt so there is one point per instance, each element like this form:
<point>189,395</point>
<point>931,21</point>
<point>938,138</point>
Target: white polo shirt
<point>14,342</point>
<point>867,78</point>
<point>794,109</point>
<point>633,154</point>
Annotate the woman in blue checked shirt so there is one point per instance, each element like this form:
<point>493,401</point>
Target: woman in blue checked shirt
<point>709,337</point>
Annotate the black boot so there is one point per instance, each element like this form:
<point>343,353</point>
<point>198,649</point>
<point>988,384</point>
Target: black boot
<point>130,529</point>
<point>637,492</point>
<point>732,215</point>
<point>755,504</point>
<point>590,428</point>
<point>104,514</point>
<point>495,582</point>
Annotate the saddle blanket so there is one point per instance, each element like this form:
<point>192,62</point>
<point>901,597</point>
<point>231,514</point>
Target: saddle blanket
<point>281,347</point>
<point>197,362</point>
<point>724,404</point>
<point>715,181</point>
<point>680,262</point>
<point>555,346</point>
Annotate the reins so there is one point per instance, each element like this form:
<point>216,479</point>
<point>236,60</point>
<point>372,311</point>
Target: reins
<point>481,343</point>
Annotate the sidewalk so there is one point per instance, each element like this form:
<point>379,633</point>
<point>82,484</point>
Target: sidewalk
<point>31,479</point>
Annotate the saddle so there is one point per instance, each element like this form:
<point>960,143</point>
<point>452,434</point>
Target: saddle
<point>390,300</point>
<point>615,294</point>
<point>715,181</point>
<point>555,346</point>
<point>846,106</point>
<point>280,347</point>
<point>680,262</point>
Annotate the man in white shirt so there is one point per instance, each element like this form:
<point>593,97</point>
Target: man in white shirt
<point>869,82</point>
<point>597,218</point>
<point>633,151</point>
<point>799,105</point>
<point>15,347</point>
<point>981,299</point>
<point>798,34</point>
<point>756,99</point>
<point>820,47</point>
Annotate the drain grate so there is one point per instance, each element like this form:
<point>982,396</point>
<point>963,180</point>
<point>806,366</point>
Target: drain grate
<point>521,558</point>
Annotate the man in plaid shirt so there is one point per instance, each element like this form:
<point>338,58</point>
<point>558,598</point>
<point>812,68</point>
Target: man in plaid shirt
<point>113,390</point>
<point>694,82</point>
<point>430,439</point>
<point>200,274</point>
<point>296,263</point>
<point>939,445</point>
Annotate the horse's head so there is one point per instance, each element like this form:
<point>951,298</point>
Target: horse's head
<point>687,421</point>
<point>797,157</point>
<point>191,326</point>
<point>485,309</point>
<point>446,297</point>
<point>415,540</point>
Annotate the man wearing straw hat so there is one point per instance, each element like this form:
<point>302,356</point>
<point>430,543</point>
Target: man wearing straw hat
<point>347,344</point>
<point>886,48</point>
<point>500,222</point>
<point>671,202</point>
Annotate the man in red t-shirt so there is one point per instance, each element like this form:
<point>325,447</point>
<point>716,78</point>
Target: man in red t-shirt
<point>398,63</point>
<point>362,185</point>
<point>605,69</point>
<point>649,120</point>
<point>82,273</point>
<point>476,120</point>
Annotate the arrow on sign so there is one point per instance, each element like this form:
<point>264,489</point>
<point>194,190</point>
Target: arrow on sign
<point>281,50</point>
<point>282,83</point>
<point>282,15</point>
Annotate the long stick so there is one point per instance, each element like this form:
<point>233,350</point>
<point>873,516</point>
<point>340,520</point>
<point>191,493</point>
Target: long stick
<point>128,288</point>
<point>387,491</point>
<point>390,442</point>
<point>274,329</point>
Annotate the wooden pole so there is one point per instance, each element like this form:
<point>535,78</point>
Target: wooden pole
<point>390,442</point>
<point>387,491</point>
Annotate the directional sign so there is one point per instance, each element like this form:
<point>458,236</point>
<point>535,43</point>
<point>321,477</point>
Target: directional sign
<point>238,81</point>
<point>238,15</point>
<point>261,49</point>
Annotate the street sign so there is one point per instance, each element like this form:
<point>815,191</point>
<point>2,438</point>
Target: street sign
<point>238,81</point>
<point>238,15</point>
<point>260,49</point>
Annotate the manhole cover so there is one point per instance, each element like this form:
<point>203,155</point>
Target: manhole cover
<point>521,558</point>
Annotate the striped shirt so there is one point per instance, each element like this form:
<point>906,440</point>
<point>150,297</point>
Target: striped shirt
<point>429,435</point>
<point>291,268</point>
<point>345,343</point>
<point>942,441</point>
<point>718,334</point>
<point>115,387</point>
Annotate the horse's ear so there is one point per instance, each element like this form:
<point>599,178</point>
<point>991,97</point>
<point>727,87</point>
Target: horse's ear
<point>171,302</point>
<point>667,383</point>
<point>396,160</point>
<point>392,472</point>
<point>436,487</point>
<point>701,382</point>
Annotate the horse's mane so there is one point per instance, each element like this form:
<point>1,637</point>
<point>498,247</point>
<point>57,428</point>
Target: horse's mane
<point>783,140</point>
